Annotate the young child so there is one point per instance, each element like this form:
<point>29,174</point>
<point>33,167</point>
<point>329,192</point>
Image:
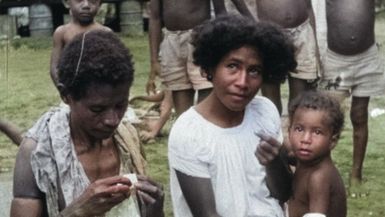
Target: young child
<point>297,18</point>
<point>316,122</point>
<point>223,152</point>
<point>82,14</point>
<point>353,67</point>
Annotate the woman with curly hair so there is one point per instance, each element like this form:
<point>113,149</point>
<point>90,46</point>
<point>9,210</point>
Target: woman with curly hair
<point>72,161</point>
<point>224,152</point>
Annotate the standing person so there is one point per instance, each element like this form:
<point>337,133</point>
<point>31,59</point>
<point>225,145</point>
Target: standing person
<point>316,122</point>
<point>297,17</point>
<point>82,14</point>
<point>223,152</point>
<point>71,161</point>
<point>353,67</point>
<point>171,52</point>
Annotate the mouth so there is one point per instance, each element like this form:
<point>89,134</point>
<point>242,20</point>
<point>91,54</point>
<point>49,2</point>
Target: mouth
<point>303,152</point>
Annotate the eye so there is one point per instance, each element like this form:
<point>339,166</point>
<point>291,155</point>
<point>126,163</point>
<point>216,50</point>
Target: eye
<point>298,129</point>
<point>232,66</point>
<point>255,71</point>
<point>318,132</point>
<point>97,109</point>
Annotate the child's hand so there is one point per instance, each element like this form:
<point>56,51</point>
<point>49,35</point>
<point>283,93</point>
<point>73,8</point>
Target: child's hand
<point>268,148</point>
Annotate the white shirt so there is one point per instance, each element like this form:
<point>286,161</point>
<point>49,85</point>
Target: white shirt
<point>199,148</point>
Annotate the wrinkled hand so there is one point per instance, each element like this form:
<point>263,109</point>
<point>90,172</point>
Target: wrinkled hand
<point>100,197</point>
<point>151,196</point>
<point>268,149</point>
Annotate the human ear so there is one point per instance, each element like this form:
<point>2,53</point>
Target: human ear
<point>207,74</point>
<point>333,141</point>
<point>66,3</point>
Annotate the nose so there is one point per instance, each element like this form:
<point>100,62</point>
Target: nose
<point>242,79</point>
<point>111,119</point>
<point>86,4</point>
<point>306,138</point>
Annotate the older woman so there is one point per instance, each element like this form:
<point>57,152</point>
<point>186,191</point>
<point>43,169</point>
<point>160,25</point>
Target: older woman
<point>72,161</point>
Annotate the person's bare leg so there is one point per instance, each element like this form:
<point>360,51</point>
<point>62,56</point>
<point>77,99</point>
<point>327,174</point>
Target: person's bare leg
<point>296,86</point>
<point>273,92</point>
<point>165,112</point>
<point>203,94</point>
<point>13,132</point>
<point>150,98</point>
<point>359,119</point>
<point>183,100</point>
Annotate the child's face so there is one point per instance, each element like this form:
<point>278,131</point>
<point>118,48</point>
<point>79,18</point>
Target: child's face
<point>84,11</point>
<point>310,135</point>
<point>237,78</point>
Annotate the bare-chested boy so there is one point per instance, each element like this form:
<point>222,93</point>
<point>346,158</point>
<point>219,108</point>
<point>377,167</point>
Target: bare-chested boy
<point>297,18</point>
<point>170,28</point>
<point>353,67</point>
<point>82,14</point>
<point>316,122</point>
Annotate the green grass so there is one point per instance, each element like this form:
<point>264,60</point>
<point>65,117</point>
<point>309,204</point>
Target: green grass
<point>26,91</point>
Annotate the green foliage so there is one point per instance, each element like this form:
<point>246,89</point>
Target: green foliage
<point>37,43</point>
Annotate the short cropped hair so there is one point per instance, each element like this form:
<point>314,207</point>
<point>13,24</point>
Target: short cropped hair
<point>320,101</point>
<point>216,38</point>
<point>94,57</point>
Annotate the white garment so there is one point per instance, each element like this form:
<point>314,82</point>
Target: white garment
<point>199,148</point>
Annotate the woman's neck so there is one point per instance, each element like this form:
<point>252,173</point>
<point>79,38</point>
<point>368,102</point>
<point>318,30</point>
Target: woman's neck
<point>215,112</point>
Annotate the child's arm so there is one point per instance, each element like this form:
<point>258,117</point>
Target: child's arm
<point>58,44</point>
<point>319,192</point>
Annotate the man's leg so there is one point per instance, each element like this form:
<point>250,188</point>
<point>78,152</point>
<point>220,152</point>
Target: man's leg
<point>273,92</point>
<point>183,100</point>
<point>359,119</point>
<point>296,86</point>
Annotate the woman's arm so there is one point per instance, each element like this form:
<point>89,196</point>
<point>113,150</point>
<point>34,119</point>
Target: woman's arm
<point>199,195</point>
<point>278,174</point>
<point>27,198</point>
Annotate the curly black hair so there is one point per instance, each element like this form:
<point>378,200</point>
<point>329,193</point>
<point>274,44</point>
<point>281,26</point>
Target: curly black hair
<point>93,57</point>
<point>320,101</point>
<point>216,38</point>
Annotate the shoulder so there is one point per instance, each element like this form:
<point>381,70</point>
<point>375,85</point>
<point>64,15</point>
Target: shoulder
<point>264,114</point>
<point>60,30</point>
<point>263,104</point>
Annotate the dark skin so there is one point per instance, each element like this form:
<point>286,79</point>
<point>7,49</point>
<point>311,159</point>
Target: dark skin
<point>93,120</point>
<point>180,15</point>
<point>317,184</point>
<point>347,34</point>
<point>12,131</point>
<point>82,20</point>
<point>287,14</point>
<point>350,35</point>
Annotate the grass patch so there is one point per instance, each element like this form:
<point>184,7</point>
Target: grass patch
<point>26,91</point>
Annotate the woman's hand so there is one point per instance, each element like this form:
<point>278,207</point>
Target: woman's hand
<point>151,196</point>
<point>268,149</point>
<point>99,197</point>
